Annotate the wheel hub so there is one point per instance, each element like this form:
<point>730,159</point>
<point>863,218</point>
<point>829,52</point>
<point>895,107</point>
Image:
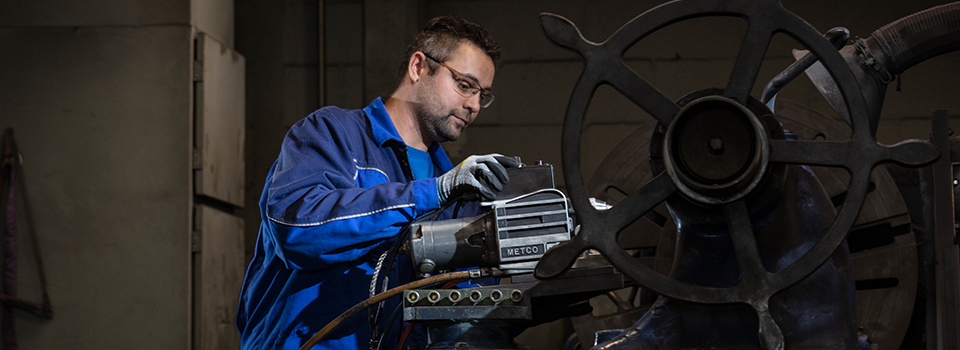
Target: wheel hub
<point>715,150</point>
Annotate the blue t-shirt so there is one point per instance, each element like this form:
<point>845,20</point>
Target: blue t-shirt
<point>420,163</point>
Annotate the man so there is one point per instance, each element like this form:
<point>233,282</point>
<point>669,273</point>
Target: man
<point>347,182</point>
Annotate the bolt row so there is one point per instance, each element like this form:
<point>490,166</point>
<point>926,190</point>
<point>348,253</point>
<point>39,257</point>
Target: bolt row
<point>453,297</point>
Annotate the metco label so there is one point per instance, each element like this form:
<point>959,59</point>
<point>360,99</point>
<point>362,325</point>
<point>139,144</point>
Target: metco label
<point>535,249</point>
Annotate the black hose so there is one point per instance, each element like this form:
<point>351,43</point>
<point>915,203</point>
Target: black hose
<point>374,314</point>
<point>393,317</point>
<point>891,50</point>
<point>916,38</point>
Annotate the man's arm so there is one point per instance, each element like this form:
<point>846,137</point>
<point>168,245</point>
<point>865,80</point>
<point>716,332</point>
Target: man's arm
<point>316,213</point>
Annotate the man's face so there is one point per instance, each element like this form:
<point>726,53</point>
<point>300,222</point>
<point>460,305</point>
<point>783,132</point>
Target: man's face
<point>443,112</point>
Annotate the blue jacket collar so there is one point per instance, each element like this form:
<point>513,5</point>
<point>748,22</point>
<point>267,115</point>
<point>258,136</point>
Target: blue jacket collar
<point>384,130</point>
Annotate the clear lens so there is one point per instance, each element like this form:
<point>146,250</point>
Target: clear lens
<point>468,88</point>
<point>486,99</point>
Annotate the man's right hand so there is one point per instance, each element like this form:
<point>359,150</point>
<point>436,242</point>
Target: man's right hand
<point>485,174</point>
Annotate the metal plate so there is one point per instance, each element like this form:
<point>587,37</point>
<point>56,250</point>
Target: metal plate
<point>102,117</point>
<point>219,134</point>
<point>218,275</point>
<point>215,19</point>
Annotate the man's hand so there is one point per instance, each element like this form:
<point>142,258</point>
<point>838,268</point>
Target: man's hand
<point>484,174</point>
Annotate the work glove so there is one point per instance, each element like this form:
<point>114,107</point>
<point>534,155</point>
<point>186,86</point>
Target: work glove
<point>484,174</point>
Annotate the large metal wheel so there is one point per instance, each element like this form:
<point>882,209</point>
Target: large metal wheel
<point>882,244</point>
<point>739,176</point>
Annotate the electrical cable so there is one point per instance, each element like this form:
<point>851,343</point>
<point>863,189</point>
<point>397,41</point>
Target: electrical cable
<point>452,283</point>
<point>380,297</point>
<point>386,331</point>
<point>456,209</point>
<point>374,315</point>
<point>403,338</point>
<point>392,253</point>
<point>376,272</point>
<point>375,310</point>
<point>396,311</point>
<point>406,331</point>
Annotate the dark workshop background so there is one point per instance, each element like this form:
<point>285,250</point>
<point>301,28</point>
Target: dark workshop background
<point>147,128</point>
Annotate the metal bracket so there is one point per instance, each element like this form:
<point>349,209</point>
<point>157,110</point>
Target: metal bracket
<point>870,61</point>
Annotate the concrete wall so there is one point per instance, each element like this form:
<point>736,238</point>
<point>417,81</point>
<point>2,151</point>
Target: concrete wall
<point>105,131</point>
<point>100,95</point>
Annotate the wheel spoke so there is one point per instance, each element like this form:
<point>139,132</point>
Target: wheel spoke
<point>911,153</point>
<point>639,202</point>
<point>827,153</point>
<point>640,92</point>
<point>748,63</point>
<point>771,337</point>
<point>559,258</point>
<point>663,285</point>
<point>744,244</point>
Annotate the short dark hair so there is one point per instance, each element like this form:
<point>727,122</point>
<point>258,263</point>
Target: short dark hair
<point>443,35</point>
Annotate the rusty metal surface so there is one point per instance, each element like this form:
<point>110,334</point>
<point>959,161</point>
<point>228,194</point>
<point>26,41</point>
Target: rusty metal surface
<point>604,65</point>
<point>884,309</point>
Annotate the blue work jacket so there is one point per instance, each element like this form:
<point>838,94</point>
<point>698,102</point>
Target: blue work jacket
<point>334,201</point>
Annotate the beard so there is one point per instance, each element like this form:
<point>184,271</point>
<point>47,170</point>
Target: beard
<point>436,120</point>
<point>442,127</point>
